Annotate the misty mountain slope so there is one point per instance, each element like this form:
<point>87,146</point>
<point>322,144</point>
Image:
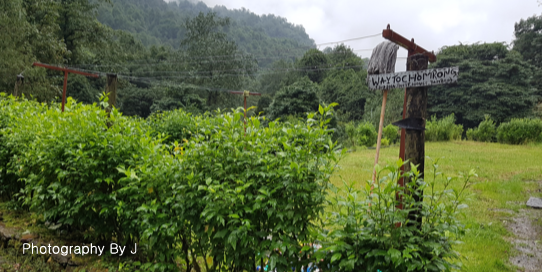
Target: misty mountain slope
<point>156,22</point>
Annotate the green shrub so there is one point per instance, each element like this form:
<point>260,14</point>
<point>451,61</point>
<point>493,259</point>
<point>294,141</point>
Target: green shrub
<point>218,193</point>
<point>69,164</point>
<point>11,152</point>
<point>225,191</point>
<point>444,129</point>
<point>471,134</point>
<point>351,133</point>
<point>520,131</point>
<point>365,236</point>
<point>391,133</point>
<point>486,130</point>
<point>367,134</point>
<point>385,142</point>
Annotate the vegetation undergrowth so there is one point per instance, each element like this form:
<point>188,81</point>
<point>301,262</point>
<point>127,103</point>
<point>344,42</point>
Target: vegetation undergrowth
<point>372,232</point>
<point>507,176</point>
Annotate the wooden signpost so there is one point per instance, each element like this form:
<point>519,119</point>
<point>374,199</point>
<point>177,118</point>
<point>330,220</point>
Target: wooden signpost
<point>412,79</point>
<point>415,80</point>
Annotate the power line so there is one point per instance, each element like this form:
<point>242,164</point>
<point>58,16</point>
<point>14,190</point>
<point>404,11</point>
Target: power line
<point>348,40</point>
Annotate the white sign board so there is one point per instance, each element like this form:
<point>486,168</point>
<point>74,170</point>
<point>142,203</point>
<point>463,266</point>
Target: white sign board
<point>411,79</point>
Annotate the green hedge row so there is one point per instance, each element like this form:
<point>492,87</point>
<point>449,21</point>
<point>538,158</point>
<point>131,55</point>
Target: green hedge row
<point>211,192</point>
<point>517,131</point>
<point>443,129</point>
<point>216,192</point>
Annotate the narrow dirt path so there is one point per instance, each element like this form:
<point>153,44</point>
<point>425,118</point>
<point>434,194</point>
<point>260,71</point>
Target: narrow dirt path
<point>527,228</point>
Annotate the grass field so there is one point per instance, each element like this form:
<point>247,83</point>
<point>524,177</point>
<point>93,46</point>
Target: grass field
<point>507,176</point>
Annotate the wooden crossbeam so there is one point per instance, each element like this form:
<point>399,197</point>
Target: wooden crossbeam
<point>66,71</point>
<point>412,47</point>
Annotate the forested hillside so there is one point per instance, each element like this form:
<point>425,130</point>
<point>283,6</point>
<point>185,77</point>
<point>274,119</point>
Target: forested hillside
<point>156,22</point>
<point>184,55</point>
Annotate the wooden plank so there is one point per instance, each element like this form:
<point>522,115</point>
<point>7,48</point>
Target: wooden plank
<point>65,70</point>
<point>412,47</point>
<point>411,79</point>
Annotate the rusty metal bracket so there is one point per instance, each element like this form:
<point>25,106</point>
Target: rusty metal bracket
<point>411,123</point>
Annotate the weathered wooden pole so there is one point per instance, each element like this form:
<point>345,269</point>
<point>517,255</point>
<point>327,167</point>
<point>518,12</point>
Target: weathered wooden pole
<point>380,126</point>
<point>416,109</point>
<point>413,49</point>
<point>64,89</point>
<point>111,89</point>
<point>18,84</point>
<point>382,62</point>
<point>245,95</point>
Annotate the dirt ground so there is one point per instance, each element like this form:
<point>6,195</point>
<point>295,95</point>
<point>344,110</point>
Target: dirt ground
<point>527,228</point>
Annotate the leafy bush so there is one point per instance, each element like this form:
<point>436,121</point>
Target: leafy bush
<point>367,134</point>
<point>10,152</point>
<point>385,142</point>
<point>471,134</point>
<point>391,133</point>
<point>444,129</point>
<point>351,133</point>
<point>224,192</point>
<point>520,131</point>
<point>68,162</point>
<point>485,132</point>
<point>365,235</point>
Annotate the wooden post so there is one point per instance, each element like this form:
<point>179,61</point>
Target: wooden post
<point>416,107</point>
<point>245,95</point>
<point>64,89</point>
<point>379,139</point>
<point>413,49</point>
<point>18,84</point>
<point>111,89</point>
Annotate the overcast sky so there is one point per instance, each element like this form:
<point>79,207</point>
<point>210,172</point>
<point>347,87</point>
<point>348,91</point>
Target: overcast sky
<point>432,24</point>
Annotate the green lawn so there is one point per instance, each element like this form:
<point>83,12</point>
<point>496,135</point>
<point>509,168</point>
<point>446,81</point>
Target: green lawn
<point>507,176</point>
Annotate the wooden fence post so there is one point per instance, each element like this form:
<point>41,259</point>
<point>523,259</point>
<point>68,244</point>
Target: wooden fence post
<point>18,84</point>
<point>111,88</point>
<point>416,107</point>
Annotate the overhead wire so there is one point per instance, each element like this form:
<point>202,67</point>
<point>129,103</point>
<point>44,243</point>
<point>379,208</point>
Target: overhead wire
<point>352,39</point>
<point>185,60</point>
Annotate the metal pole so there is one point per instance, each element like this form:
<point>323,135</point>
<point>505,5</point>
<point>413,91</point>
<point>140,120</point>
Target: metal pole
<point>64,90</point>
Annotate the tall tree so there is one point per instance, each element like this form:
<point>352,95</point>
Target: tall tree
<point>314,64</point>
<point>212,60</point>
<point>528,40</point>
<point>492,80</point>
<point>295,99</point>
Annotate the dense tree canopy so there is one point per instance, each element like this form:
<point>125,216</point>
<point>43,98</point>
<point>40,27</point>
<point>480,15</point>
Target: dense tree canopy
<point>492,80</point>
<point>181,54</point>
<point>528,40</point>
<point>295,99</point>
<point>156,22</point>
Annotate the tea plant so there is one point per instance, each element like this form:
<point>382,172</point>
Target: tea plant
<point>367,134</point>
<point>443,129</point>
<point>232,196</point>
<point>368,232</point>
<point>485,132</point>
